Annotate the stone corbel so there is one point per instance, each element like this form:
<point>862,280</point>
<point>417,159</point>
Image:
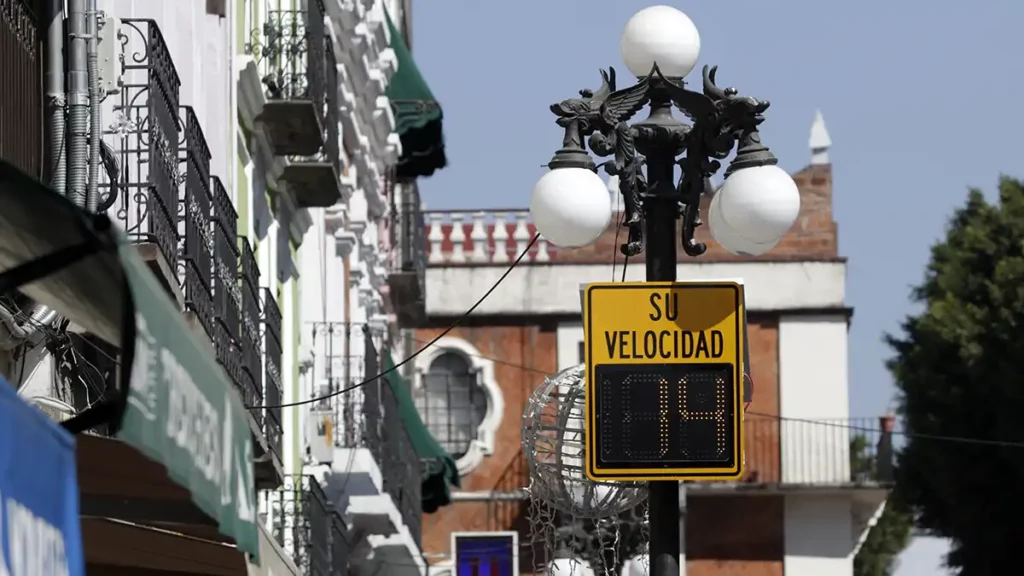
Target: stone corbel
<point>378,322</point>
<point>378,276</point>
<point>335,218</point>
<point>387,62</point>
<point>344,242</point>
<point>355,277</point>
<point>366,297</point>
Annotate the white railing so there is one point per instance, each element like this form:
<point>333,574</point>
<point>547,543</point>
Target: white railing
<point>482,237</point>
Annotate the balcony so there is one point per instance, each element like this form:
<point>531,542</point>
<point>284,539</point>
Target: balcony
<point>226,293</point>
<point>407,278</point>
<point>307,528</point>
<point>143,147</point>
<point>21,109</point>
<point>252,357</point>
<point>272,390</point>
<point>845,453</point>
<point>376,471</point>
<point>197,258</point>
<point>296,60</point>
<point>389,442</point>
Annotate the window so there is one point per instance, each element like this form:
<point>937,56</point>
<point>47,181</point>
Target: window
<point>583,352</point>
<point>459,400</point>
<point>486,554</point>
<point>452,403</point>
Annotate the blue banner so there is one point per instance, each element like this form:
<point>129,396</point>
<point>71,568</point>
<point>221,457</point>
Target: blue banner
<point>39,525</point>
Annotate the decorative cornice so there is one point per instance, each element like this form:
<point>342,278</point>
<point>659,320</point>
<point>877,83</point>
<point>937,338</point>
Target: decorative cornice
<point>335,218</point>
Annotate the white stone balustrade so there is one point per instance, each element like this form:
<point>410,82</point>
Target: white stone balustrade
<point>482,237</point>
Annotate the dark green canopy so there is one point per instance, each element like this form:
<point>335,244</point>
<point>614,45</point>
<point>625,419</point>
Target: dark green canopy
<point>418,115</point>
<point>439,470</point>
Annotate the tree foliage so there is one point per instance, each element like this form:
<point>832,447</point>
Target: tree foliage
<point>890,534</point>
<point>959,369</point>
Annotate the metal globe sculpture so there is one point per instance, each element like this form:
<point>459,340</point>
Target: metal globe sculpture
<point>554,443</point>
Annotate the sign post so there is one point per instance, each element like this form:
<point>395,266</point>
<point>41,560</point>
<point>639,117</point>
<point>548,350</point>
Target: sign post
<point>665,388</point>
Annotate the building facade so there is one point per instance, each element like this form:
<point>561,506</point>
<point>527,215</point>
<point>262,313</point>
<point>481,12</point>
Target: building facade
<point>814,484</point>
<point>261,159</point>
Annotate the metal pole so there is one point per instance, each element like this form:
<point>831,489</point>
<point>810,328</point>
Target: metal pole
<point>661,210</point>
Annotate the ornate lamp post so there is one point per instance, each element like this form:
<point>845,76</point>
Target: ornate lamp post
<point>757,204</point>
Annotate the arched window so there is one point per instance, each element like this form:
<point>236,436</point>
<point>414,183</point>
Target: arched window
<point>452,403</point>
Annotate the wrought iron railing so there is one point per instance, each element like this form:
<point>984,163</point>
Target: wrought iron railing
<point>304,523</point>
<point>818,451</point>
<point>21,102</point>
<point>196,257</point>
<point>145,135</point>
<point>290,50</point>
<point>388,440</point>
<point>339,545</point>
<point>252,359</point>
<point>341,367</point>
<point>272,426</point>
<point>226,292</point>
<point>332,109</point>
<point>411,229</point>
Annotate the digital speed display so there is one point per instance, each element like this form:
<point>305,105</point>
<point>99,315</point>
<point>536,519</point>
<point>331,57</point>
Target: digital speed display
<point>669,416</point>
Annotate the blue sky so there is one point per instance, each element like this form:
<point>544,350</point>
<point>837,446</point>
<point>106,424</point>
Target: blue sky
<point>921,99</point>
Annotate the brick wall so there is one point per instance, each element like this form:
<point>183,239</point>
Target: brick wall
<point>735,536</point>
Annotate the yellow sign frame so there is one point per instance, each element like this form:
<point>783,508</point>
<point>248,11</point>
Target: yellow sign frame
<point>703,296</point>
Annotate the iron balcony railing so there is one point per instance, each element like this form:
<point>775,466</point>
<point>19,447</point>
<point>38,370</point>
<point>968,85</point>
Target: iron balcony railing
<point>412,231</point>
<point>818,452</point>
<point>290,45</point>
<point>196,251</point>
<point>407,276</point>
<point>332,110</point>
<point>272,426</point>
<point>388,440</point>
<point>144,137</point>
<point>339,545</point>
<point>21,102</point>
<point>304,524</point>
<point>226,292</point>
<point>252,360</point>
<point>301,118</point>
<point>342,367</point>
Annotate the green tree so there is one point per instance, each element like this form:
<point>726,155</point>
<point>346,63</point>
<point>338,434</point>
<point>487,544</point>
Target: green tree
<point>890,534</point>
<point>959,369</point>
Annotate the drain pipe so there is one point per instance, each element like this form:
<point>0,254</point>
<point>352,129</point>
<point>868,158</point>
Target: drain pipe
<point>53,83</point>
<point>78,102</point>
<point>92,198</point>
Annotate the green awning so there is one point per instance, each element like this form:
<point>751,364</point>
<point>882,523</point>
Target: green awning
<point>418,115</point>
<point>175,406</point>
<point>184,413</point>
<point>439,470</point>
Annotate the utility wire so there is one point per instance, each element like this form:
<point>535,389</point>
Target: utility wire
<point>458,321</point>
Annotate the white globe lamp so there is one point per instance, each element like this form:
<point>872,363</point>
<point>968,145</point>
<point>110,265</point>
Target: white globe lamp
<point>571,207</point>
<point>660,35</point>
<point>753,210</point>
